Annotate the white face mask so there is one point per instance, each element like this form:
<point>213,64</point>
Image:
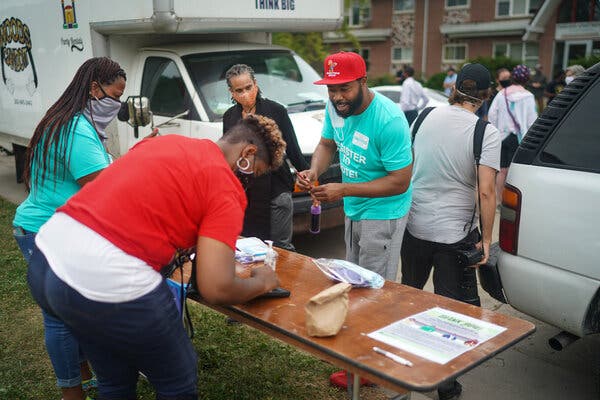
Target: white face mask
<point>569,79</point>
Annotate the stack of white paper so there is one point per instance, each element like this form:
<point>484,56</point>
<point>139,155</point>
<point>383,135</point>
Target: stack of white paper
<point>250,249</point>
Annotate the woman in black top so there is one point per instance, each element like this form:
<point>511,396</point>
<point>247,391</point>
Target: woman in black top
<point>269,214</point>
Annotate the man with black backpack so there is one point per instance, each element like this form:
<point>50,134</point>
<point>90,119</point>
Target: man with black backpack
<point>456,158</point>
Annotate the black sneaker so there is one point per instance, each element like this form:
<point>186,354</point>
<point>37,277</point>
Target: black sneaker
<point>450,391</point>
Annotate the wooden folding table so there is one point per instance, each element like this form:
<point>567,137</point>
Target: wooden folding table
<point>369,310</point>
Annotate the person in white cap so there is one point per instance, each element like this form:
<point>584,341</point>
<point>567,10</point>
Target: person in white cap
<point>373,141</point>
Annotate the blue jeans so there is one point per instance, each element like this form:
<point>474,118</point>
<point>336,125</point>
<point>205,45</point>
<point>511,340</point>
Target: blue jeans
<point>25,241</point>
<point>62,347</point>
<point>120,339</point>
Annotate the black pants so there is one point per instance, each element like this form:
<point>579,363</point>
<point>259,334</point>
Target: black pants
<point>508,150</point>
<point>257,219</point>
<point>449,278</point>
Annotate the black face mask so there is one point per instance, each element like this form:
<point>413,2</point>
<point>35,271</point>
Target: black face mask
<point>505,83</point>
<point>245,179</point>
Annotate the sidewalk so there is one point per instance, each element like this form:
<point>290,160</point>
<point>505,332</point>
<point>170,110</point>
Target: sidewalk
<point>9,188</point>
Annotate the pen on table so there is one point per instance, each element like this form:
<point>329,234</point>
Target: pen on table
<point>393,356</point>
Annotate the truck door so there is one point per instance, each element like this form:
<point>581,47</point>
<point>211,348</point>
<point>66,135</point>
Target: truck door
<point>164,85</point>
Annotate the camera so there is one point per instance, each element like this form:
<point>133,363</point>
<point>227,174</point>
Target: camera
<point>471,256</point>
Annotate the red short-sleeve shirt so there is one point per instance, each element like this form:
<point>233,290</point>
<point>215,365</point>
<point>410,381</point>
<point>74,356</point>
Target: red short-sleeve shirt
<point>162,195</point>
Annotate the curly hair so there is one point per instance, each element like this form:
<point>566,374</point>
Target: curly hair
<point>262,132</point>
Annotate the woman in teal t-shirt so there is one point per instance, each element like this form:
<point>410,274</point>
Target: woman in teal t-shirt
<point>65,153</point>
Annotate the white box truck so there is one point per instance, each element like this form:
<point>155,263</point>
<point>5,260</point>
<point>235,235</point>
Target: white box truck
<point>175,53</point>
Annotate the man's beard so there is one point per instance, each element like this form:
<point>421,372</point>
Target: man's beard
<point>352,105</point>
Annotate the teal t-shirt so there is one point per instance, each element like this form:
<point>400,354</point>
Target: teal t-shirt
<point>85,155</point>
<point>370,145</point>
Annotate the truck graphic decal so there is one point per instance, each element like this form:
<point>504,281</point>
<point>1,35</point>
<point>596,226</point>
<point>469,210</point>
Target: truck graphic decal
<point>15,48</point>
<point>69,16</point>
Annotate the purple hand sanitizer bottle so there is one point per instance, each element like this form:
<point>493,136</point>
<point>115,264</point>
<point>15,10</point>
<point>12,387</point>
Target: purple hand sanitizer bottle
<point>315,217</point>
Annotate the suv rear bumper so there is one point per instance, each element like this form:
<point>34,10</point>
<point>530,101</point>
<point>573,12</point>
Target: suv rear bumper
<point>556,296</point>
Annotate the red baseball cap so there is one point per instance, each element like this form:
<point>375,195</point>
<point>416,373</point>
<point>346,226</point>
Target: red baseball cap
<point>342,67</point>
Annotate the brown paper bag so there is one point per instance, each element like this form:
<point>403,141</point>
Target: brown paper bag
<point>326,311</point>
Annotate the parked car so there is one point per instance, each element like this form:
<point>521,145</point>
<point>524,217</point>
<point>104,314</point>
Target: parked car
<point>394,92</point>
<point>549,235</point>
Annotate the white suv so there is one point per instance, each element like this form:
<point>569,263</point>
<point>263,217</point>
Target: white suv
<point>549,263</point>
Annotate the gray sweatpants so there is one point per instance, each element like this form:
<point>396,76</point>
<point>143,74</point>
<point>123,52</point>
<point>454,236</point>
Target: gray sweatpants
<point>375,244</point>
<point>282,213</point>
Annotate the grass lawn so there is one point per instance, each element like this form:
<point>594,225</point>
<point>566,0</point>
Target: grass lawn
<point>234,362</point>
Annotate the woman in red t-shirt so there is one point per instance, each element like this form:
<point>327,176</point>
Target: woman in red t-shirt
<point>97,260</point>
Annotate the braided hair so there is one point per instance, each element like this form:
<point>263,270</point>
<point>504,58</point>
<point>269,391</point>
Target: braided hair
<point>58,121</point>
<point>262,132</point>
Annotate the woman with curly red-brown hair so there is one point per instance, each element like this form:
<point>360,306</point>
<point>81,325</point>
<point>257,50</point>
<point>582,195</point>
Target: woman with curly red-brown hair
<point>96,266</point>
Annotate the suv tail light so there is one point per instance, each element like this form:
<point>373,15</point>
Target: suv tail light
<point>510,216</point>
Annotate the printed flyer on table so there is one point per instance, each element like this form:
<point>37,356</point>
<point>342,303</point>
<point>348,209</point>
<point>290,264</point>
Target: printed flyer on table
<point>437,334</point>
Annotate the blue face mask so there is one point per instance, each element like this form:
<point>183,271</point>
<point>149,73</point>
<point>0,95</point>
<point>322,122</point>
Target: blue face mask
<point>101,112</point>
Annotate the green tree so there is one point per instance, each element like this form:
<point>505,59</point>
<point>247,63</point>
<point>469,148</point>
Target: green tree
<point>585,62</point>
<point>310,46</point>
<point>382,80</point>
<point>495,63</point>
<point>436,81</point>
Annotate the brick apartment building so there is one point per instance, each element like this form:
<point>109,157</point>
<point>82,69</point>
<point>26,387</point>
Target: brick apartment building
<point>432,35</point>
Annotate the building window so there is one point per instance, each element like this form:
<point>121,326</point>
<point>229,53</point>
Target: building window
<point>366,55</point>
<point>596,49</point>
<point>455,53</point>
<point>512,8</point>
<point>359,13</point>
<point>457,3</point>
<point>364,52</point>
<point>579,11</point>
<point>526,53</point>
<point>402,55</point>
<point>404,5</point>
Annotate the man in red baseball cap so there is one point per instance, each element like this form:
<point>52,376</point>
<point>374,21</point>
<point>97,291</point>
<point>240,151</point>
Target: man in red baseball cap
<point>343,67</point>
<point>374,144</point>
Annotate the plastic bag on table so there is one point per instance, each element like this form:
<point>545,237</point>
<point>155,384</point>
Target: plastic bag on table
<point>345,271</point>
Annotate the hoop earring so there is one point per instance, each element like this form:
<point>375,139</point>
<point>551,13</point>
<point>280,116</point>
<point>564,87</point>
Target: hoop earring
<point>245,169</point>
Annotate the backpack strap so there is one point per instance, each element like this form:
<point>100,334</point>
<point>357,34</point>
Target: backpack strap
<point>478,139</point>
<point>477,146</point>
<point>419,121</point>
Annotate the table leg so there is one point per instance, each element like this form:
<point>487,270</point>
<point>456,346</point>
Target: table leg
<point>356,388</point>
<point>349,384</point>
<point>353,386</point>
